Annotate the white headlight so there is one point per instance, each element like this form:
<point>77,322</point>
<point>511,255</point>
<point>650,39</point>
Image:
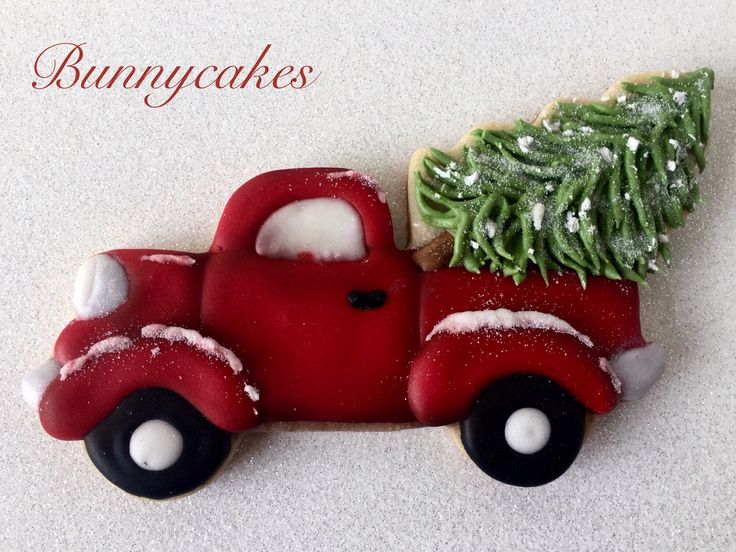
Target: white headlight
<point>100,288</point>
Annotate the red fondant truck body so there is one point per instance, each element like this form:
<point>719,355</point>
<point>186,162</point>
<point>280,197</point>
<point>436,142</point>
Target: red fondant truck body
<point>303,309</point>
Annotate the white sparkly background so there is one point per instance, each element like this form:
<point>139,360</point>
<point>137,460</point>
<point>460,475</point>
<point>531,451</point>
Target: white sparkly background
<point>85,171</point>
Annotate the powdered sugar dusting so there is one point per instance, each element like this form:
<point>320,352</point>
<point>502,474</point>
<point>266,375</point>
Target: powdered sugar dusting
<point>112,344</point>
<point>365,179</point>
<point>167,258</point>
<point>194,339</point>
<point>504,319</point>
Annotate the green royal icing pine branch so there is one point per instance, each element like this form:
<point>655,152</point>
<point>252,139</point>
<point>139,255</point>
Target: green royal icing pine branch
<point>594,189</point>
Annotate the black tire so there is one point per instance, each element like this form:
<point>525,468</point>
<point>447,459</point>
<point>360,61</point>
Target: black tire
<point>205,446</point>
<point>483,431</point>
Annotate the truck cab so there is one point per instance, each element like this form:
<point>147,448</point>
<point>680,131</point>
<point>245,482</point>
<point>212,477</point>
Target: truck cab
<point>315,297</point>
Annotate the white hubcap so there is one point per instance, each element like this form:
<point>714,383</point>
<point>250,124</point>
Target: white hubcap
<point>527,430</point>
<point>156,445</point>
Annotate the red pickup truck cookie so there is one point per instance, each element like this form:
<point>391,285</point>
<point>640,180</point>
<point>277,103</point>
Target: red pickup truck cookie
<point>303,309</point>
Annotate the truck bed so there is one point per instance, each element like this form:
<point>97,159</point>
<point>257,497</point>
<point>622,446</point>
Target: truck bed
<point>607,310</point>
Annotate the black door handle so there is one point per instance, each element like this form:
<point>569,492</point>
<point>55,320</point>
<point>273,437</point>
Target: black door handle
<point>367,300</point>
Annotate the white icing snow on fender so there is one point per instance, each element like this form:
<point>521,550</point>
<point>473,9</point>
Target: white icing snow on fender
<point>253,393</point>
<point>638,369</point>
<point>504,319</point>
<point>112,344</point>
<point>194,339</point>
<point>604,365</point>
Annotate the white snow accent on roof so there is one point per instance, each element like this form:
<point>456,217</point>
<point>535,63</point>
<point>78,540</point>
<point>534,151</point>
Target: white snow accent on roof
<point>167,258</point>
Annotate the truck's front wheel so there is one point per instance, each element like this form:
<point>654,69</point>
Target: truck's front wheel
<point>524,430</point>
<point>157,445</point>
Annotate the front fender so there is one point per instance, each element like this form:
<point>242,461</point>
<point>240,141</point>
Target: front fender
<point>453,369</point>
<point>158,291</point>
<point>71,408</point>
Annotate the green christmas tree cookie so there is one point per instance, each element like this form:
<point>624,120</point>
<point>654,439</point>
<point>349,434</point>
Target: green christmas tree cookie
<point>593,187</point>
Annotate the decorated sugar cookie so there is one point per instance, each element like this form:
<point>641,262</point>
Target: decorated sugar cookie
<point>514,314</point>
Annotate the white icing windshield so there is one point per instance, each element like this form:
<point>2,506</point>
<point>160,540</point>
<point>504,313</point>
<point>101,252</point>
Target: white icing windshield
<point>322,229</point>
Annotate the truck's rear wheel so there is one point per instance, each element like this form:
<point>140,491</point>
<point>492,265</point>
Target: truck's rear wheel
<point>524,430</point>
<point>155,444</point>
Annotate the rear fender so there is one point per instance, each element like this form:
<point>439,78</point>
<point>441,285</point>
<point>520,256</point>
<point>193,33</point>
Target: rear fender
<point>71,408</point>
<point>453,369</point>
